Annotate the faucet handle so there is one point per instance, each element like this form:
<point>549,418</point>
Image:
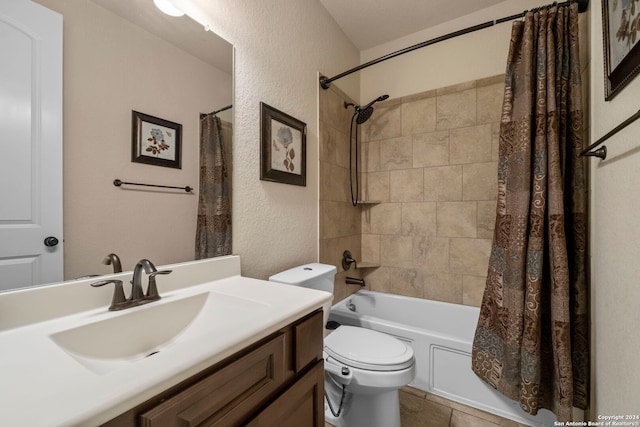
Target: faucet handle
<point>152,289</point>
<point>155,273</point>
<point>105,282</point>
<point>347,260</point>
<point>118,300</point>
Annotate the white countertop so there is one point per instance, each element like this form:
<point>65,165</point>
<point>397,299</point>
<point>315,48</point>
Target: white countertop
<point>43,385</point>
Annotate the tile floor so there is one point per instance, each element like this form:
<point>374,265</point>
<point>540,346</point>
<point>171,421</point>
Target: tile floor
<point>421,409</point>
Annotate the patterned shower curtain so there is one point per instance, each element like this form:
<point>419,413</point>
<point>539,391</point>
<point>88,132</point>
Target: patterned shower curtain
<point>531,342</point>
<point>213,234</point>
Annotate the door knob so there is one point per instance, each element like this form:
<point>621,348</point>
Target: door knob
<point>50,241</point>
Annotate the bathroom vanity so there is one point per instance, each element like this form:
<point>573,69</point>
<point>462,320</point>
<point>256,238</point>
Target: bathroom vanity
<point>278,381</point>
<point>218,349</point>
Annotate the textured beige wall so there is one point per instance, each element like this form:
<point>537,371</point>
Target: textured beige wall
<point>431,160</point>
<point>615,251</point>
<point>110,68</point>
<point>280,47</point>
<point>470,57</point>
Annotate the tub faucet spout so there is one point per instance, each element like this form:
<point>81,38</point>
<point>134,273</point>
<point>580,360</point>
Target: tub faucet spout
<point>355,281</point>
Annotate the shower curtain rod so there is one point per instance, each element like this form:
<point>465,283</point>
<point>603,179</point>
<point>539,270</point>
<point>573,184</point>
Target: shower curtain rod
<point>217,111</point>
<point>325,82</point>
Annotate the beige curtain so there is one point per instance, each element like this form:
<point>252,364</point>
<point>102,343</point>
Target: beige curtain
<point>213,234</point>
<point>531,342</point>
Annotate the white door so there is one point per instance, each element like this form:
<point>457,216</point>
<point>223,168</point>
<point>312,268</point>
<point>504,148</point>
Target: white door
<point>30,144</point>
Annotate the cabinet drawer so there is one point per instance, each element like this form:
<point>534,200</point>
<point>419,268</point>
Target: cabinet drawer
<point>224,397</point>
<point>308,335</point>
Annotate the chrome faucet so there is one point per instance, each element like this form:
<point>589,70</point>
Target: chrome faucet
<point>137,297</point>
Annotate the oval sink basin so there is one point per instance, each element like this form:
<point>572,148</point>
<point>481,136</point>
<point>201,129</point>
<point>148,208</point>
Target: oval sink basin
<point>109,344</point>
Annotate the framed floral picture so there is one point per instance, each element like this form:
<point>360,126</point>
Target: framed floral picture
<point>283,148</point>
<point>155,141</point>
<point>621,32</point>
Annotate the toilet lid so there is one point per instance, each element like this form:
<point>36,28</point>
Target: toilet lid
<point>367,349</point>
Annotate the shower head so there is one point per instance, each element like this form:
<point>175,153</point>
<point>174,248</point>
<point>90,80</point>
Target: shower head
<point>378,99</point>
<point>363,113</point>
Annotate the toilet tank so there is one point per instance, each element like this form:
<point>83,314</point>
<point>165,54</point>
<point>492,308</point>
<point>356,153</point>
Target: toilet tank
<point>315,276</point>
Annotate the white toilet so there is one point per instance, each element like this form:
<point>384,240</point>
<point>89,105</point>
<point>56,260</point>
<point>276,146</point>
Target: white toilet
<point>364,368</point>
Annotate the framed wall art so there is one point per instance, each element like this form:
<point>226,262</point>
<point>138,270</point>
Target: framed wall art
<point>283,147</point>
<point>621,33</point>
<point>155,141</point>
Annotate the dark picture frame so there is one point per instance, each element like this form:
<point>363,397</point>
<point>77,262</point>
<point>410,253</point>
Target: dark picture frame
<point>155,141</point>
<point>283,147</point>
<point>621,33</point>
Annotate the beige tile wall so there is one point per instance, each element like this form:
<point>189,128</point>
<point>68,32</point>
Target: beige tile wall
<point>431,160</point>
<point>340,223</point>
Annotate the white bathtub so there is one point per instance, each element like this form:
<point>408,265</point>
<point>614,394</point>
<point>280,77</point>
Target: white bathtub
<point>441,335</point>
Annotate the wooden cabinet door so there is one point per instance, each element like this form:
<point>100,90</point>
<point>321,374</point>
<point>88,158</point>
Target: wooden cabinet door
<point>225,397</point>
<point>308,341</point>
<point>302,405</point>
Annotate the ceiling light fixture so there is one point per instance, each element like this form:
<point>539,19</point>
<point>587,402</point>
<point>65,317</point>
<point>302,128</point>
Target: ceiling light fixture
<point>167,7</point>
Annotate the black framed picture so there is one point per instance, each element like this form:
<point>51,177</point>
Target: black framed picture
<point>621,33</point>
<point>155,141</point>
<point>283,147</point>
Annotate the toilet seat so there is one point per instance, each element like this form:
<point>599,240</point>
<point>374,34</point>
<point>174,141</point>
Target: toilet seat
<point>367,349</point>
